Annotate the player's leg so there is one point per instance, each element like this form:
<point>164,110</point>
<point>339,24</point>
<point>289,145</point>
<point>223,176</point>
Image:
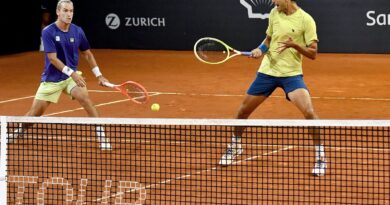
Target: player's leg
<point>234,149</point>
<point>302,100</point>
<point>81,95</point>
<point>247,107</point>
<point>45,95</point>
<point>37,109</point>
<point>258,92</point>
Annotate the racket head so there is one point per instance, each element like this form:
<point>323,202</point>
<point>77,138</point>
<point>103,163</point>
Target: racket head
<point>134,91</point>
<point>212,50</point>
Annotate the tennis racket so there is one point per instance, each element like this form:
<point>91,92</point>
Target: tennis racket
<point>214,51</point>
<point>132,90</point>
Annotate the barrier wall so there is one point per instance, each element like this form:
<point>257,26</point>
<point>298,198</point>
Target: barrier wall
<point>345,26</point>
<point>356,26</point>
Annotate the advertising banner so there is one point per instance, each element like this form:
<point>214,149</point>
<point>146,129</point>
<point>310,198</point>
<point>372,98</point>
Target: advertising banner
<point>351,26</point>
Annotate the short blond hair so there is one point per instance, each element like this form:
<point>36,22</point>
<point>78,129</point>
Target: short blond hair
<point>60,2</point>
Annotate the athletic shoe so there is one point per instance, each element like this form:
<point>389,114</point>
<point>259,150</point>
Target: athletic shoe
<point>319,168</point>
<point>230,154</point>
<point>105,146</point>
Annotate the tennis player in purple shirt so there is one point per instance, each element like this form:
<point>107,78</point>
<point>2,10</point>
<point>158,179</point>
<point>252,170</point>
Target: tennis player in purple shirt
<point>62,41</point>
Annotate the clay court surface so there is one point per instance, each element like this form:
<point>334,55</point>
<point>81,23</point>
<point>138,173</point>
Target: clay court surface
<point>343,86</point>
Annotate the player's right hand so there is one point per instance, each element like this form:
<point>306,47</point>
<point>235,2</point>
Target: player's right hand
<point>256,53</point>
<point>102,80</point>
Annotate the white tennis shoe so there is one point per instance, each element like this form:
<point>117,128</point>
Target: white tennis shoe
<point>230,154</point>
<point>104,142</point>
<point>319,168</point>
<point>105,146</point>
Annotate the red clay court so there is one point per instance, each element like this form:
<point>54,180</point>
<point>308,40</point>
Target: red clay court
<point>176,168</point>
<point>343,86</point>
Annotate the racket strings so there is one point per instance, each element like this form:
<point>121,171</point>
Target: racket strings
<point>212,51</point>
<point>135,92</point>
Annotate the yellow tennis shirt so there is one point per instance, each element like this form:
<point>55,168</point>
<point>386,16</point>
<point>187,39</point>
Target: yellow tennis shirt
<point>301,27</point>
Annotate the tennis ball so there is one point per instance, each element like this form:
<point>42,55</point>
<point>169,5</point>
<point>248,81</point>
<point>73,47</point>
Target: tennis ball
<point>155,107</point>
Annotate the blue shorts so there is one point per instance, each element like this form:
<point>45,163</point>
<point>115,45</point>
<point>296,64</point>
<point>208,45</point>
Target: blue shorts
<point>264,85</point>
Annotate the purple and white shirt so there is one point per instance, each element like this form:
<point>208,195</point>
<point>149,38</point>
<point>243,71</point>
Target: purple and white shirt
<point>66,45</point>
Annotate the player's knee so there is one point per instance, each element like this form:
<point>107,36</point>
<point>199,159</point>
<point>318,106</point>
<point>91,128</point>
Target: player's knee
<point>310,114</point>
<point>35,112</point>
<point>242,114</point>
<point>80,95</point>
<point>84,100</point>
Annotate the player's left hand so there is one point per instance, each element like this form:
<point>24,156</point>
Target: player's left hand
<point>283,45</point>
<point>78,79</point>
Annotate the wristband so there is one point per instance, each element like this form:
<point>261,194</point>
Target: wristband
<point>263,48</point>
<point>96,71</point>
<point>67,71</point>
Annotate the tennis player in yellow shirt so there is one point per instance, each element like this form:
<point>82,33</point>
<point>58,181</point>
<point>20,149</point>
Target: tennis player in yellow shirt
<point>291,34</point>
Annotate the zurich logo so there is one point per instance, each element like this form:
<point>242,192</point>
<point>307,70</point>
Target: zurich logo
<point>113,21</point>
<point>257,9</point>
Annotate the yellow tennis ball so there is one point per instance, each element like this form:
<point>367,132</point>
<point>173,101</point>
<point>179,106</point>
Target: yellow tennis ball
<point>155,107</point>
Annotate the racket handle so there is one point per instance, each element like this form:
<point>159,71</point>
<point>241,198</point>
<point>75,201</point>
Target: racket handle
<point>246,53</point>
<point>108,84</point>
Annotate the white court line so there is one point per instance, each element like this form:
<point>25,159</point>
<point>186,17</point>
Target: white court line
<point>199,172</point>
<point>16,99</point>
<point>98,105</point>
<point>213,169</point>
<point>220,95</point>
<point>277,96</point>
<point>272,96</point>
<point>265,154</point>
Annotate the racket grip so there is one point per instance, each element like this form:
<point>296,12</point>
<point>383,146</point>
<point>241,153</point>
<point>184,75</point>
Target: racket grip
<point>246,53</point>
<point>108,84</point>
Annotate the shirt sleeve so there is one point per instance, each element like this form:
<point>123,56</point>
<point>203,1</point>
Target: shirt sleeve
<point>48,42</point>
<point>310,31</point>
<point>270,27</point>
<point>84,44</point>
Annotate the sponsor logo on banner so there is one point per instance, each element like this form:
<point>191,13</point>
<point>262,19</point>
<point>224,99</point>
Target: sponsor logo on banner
<point>257,9</point>
<point>145,22</point>
<point>113,21</point>
<point>377,19</point>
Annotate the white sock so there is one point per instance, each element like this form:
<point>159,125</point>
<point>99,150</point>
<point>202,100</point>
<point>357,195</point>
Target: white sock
<point>320,152</point>
<point>100,134</point>
<point>236,142</point>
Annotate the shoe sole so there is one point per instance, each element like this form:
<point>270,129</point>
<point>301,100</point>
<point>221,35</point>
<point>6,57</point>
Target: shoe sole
<point>105,147</point>
<point>229,162</point>
<point>320,174</point>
